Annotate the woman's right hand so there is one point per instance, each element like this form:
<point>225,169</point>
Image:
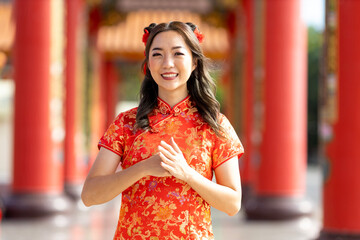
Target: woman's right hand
<point>103,182</point>
<point>153,167</point>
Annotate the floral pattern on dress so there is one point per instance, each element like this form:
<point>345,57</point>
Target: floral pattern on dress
<point>167,207</point>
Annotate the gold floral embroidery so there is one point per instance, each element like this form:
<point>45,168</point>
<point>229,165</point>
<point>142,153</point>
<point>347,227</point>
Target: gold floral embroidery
<point>168,208</point>
<point>163,213</point>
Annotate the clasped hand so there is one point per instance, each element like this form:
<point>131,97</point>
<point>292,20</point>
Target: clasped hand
<point>169,161</point>
<point>173,160</point>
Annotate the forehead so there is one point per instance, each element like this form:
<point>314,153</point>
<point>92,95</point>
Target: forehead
<point>168,39</point>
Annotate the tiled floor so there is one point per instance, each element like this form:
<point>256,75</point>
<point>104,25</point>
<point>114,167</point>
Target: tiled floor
<point>98,223</point>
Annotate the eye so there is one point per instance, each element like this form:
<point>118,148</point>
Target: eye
<point>179,53</point>
<point>156,54</point>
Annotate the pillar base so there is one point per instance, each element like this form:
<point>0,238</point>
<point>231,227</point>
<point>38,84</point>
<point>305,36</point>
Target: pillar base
<point>277,208</point>
<point>29,205</point>
<point>73,191</point>
<point>247,193</point>
<point>324,235</point>
<point>2,208</point>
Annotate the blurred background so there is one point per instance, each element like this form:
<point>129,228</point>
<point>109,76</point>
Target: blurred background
<point>68,67</point>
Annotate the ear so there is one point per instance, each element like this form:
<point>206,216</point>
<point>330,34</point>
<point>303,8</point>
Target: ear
<point>194,64</point>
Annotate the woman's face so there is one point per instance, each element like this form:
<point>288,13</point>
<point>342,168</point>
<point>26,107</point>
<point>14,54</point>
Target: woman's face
<point>170,63</point>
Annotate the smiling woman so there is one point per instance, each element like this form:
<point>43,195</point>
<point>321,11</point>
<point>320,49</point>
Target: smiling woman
<point>200,85</point>
<point>169,146</point>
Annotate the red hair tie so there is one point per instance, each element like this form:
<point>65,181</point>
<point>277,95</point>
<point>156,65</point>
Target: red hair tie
<point>199,35</point>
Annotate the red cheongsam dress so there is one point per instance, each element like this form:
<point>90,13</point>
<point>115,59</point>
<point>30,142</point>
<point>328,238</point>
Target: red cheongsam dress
<point>166,207</point>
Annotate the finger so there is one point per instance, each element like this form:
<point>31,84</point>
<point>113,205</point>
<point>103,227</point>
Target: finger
<point>164,156</point>
<point>165,160</point>
<point>165,152</point>
<point>168,147</point>
<point>174,145</point>
<point>167,168</point>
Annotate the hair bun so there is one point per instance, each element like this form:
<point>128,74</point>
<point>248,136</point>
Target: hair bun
<point>192,26</point>
<point>150,27</point>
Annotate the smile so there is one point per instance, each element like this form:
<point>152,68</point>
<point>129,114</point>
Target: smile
<point>169,76</point>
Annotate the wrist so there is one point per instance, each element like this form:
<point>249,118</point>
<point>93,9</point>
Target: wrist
<point>142,169</point>
<point>190,175</point>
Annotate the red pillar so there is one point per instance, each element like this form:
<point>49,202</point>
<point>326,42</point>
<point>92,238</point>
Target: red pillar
<point>37,168</point>
<point>98,109</point>
<point>341,195</point>
<point>75,154</point>
<point>281,174</point>
<point>97,97</point>
<point>228,70</point>
<point>247,169</point>
<point>110,80</point>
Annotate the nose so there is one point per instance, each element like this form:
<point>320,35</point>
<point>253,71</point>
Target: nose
<point>168,61</point>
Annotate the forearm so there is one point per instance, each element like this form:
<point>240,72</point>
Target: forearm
<point>224,195</point>
<point>101,189</point>
<point>218,196</point>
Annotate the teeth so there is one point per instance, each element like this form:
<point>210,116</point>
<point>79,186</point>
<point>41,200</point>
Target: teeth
<point>169,75</point>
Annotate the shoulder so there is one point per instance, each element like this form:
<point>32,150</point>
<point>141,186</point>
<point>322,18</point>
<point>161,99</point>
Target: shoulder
<point>126,117</point>
<point>130,114</point>
<point>227,128</point>
<point>223,120</point>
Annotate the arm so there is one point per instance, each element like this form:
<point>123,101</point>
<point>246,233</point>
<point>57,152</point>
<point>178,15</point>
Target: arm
<point>224,195</point>
<point>103,183</point>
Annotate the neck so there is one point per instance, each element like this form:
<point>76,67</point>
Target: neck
<point>172,98</point>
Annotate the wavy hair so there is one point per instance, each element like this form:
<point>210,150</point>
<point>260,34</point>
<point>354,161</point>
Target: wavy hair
<point>200,85</point>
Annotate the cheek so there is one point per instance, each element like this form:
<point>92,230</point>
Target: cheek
<point>152,64</point>
<point>149,64</point>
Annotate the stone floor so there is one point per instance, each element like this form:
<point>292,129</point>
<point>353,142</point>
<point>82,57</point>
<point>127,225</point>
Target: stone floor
<point>99,222</point>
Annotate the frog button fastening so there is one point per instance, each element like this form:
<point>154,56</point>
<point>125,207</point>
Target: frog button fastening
<point>176,111</point>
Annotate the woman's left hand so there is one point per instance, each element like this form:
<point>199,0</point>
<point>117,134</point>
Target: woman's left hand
<point>173,160</point>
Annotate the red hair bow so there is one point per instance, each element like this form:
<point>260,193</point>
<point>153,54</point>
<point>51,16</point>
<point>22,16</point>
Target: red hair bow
<point>145,36</point>
<point>199,35</point>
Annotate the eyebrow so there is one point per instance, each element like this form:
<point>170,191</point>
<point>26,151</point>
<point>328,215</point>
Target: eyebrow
<point>157,48</point>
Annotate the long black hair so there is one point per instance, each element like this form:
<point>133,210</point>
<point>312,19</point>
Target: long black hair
<point>200,85</point>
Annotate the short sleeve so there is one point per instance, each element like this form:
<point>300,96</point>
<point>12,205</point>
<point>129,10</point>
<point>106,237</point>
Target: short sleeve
<point>113,139</point>
<point>228,146</point>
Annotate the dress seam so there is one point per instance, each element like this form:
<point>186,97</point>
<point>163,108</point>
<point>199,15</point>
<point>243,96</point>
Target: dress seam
<point>239,154</point>
<point>100,145</point>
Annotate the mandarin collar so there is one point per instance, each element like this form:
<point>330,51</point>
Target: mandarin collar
<point>165,109</point>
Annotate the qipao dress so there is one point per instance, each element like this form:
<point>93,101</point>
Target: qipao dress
<point>166,207</point>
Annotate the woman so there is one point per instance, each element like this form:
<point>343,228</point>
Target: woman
<point>169,146</point>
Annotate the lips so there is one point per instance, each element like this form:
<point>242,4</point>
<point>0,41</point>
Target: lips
<point>169,76</point>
